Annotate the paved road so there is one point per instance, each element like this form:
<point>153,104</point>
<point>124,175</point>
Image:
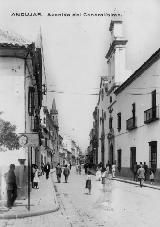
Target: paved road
<point>121,205</point>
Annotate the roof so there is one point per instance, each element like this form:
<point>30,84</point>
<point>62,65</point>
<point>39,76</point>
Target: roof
<point>139,71</point>
<point>53,109</point>
<point>13,45</point>
<point>13,38</point>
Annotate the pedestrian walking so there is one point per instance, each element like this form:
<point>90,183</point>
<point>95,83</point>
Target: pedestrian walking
<point>98,174</point>
<point>113,170</point>
<point>42,168</point>
<point>47,170</point>
<point>140,173</point>
<point>88,182</point>
<point>86,168</point>
<point>36,179</point>
<point>151,172</point>
<point>70,165</point>
<point>135,168</point>
<point>11,186</point>
<point>79,168</point>
<point>104,178</point>
<point>58,172</point>
<point>146,171</point>
<point>66,173</point>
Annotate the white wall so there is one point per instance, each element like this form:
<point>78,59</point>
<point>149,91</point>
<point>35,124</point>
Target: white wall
<point>144,133</point>
<point>12,91</point>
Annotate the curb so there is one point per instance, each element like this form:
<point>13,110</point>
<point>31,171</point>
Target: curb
<point>132,182</point>
<point>34,213</point>
<point>25,215</point>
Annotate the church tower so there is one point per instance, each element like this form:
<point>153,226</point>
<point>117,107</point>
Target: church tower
<point>116,53</point>
<point>54,113</point>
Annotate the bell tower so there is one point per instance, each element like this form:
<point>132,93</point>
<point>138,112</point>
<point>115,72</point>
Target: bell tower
<point>54,113</point>
<point>116,53</point>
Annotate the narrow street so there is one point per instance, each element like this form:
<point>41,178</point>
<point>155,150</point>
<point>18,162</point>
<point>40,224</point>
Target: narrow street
<point>121,205</point>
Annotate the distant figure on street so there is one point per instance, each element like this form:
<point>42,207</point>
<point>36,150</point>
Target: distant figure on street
<point>135,168</point>
<point>151,172</point>
<point>88,182</point>
<point>11,186</point>
<point>36,179</point>
<point>47,170</point>
<point>140,173</point>
<point>58,172</point>
<point>104,178</point>
<point>66,173</point>
<point>146,171</point>
<point>113,170</point>
<point>79,168</point>
<point>42,168</point>
<point>70,165</point>
<point>98,174</point>
<point>85,167</point>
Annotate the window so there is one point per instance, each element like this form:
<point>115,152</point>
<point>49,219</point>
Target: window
<point>153,98</point>
<point>119,159</point>
<point>153,155</point>
<point>119,121</point>
<point>154,104</point>
<point>110,99</point>
<point>132,157</point>
<point>110,122</point>
<point>133,110</point>
<point>31,101</point>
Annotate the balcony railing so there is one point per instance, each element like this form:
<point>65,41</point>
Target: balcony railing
<point>151,114</point>
<point>131,123</point>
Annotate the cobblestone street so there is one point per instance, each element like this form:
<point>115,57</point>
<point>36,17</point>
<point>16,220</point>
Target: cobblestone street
<point>121,205</point>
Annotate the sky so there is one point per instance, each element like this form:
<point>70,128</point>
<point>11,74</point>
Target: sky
<point>75,48</point>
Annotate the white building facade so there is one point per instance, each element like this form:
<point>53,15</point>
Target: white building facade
<point>129,111</point>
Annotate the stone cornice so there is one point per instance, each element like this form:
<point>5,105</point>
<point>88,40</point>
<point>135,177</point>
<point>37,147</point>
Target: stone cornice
<point>115,43</point>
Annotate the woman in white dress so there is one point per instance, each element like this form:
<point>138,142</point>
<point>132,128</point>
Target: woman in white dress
<point>98,174</point>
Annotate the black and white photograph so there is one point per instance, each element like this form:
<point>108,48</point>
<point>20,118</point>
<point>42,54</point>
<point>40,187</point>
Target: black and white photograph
<point>79,113</point>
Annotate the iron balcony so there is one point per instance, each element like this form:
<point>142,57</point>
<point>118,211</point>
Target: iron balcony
<point>151,115</point>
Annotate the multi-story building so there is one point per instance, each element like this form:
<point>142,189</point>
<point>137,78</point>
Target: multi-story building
<point>21,99</point>
<point>49,135</point>
<point>131,107</point>
<point>62,159</point>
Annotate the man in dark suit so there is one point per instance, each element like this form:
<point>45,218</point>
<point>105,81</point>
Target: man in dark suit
<point>11,186</point>
<point>47,170</point>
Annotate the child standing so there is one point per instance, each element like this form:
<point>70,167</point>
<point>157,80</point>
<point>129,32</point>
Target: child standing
<point>151,176</point>
<point>36,179</point>
<point>88,182</point>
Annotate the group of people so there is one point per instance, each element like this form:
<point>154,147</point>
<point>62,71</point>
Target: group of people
<point>102,174</point>
<point>66,172</point>
<point>142,173</point>
<point>36,173</point>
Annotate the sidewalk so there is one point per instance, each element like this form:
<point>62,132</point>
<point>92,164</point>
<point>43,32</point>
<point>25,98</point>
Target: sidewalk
<point>43,201</point>
<point>129,181</point>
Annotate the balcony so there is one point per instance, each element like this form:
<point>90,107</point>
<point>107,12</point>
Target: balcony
<point>151,115</point>
<point>131,123</point>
